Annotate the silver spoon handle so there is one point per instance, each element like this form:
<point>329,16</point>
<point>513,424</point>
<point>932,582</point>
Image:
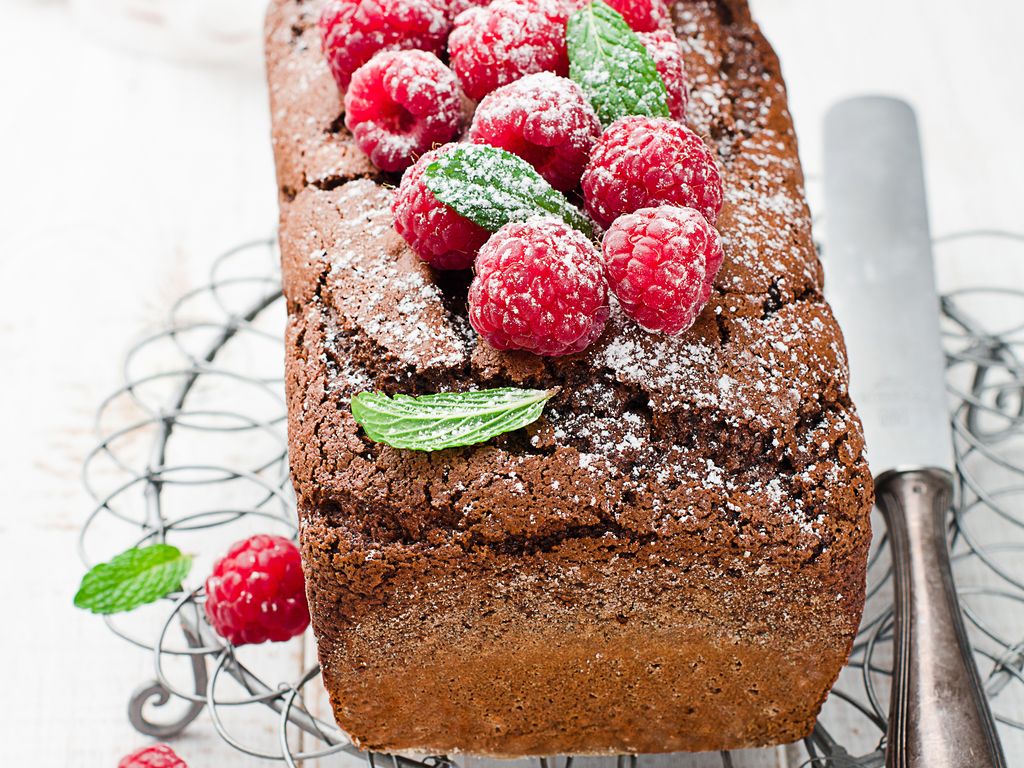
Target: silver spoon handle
<point>938,716</point>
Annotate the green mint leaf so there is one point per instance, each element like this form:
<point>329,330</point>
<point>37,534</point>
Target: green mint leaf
<point>612,66</point>
<point>133,578</point>
<point>448,419</point>
<point>492,187</point>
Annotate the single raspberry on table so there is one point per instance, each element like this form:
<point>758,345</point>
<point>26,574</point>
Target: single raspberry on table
<point>494,45</point>
<point>661,263</point>
<point>156,756</point>
<point>257,593</point>
<point>667,52</point>
<point>440,236</point>
<point>640,162</point>
<point>539,287</point>
<point>643,15</point>
<point>353,30</point>
<point>400,104</point>
<point>546,120</point>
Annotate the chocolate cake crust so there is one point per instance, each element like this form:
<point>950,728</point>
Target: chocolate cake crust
<point>671,558</point>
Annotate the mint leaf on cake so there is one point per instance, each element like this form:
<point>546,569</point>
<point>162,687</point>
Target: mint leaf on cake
<point>612,65</point>
<point>447,419</point>
<point>133,578</point>
<point>492,187</point>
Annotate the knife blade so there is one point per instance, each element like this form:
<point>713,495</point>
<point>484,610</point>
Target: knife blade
<point>881,284</point>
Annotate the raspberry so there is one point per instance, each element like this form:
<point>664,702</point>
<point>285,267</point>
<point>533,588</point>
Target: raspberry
<point>455,7</point>
<point>546,120</point>
<point>660,264</point>
<point>667,52</point>
<point>643,15</point>
<point>353,30</point>
<point>256,591</point>
<point>497,44</point>
<point>644,161</point>
<point>156,756</point>
<point>539,287</point>
<point>439,235</point>
<point>400,104</point>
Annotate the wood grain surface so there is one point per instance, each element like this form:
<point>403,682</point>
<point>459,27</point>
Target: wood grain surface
<point>122,176</point>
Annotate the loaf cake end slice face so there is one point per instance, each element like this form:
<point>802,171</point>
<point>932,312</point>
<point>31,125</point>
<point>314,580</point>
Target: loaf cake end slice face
<point>672,558</point>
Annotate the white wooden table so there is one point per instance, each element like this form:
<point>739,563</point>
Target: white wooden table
<point>122,176</point>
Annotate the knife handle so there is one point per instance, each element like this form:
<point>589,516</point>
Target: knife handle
<point>938,716</point>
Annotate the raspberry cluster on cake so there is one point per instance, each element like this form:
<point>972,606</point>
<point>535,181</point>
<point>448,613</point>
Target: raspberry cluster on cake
<point>672,557</point>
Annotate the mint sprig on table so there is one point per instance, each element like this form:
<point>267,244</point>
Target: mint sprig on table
<point>448,419</point>
<point>612,66</point>
<point>492,187</point>
<point>133,578</point>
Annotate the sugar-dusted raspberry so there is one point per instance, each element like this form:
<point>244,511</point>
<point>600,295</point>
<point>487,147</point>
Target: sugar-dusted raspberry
<point>539,287</point>
<point>546,120</point>
<point>156,756</point>
<point>400,104</point>
<point>643,161</point>
<point>455,7</point>
<point>667,52</point>
<point>497,44</point>
<point>353,30</point>
<point>643,15</point>
<point>256,592</point>
<point>661,263</point>
<point>438,235</point>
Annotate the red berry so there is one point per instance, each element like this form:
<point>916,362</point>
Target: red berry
<point>439,236</point>
<point>400,104</point>
<point>643,15</point>
<point>667,52</point>
<point>497,44</point>
<point>645,161</point>
<point>156,756</point>
<point>539,287</point>
<point>455,7</point>
<point>661,263</point>
<point>354,30</point>
<point>256,592</point>
<point>546,120</point>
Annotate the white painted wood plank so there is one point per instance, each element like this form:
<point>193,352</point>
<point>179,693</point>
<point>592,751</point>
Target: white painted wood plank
<point>953,65</point>
<point>123,176</point>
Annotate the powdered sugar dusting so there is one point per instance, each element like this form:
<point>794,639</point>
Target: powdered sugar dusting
<point>400,104</point>
<point>667,52</point>
<point>495,45</point>
<point>746,409</point>
<point>546,120</point>
<point>395,302</point>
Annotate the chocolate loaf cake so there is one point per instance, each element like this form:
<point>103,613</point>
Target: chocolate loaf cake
<point>672,558</point>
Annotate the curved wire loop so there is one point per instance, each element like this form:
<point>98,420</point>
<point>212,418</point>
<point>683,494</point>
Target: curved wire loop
<point>137,472</point>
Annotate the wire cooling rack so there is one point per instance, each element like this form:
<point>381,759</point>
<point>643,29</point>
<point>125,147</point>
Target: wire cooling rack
<point>191,449</point>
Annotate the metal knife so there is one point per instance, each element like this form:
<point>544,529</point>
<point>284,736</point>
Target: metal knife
<point>881,284</point>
